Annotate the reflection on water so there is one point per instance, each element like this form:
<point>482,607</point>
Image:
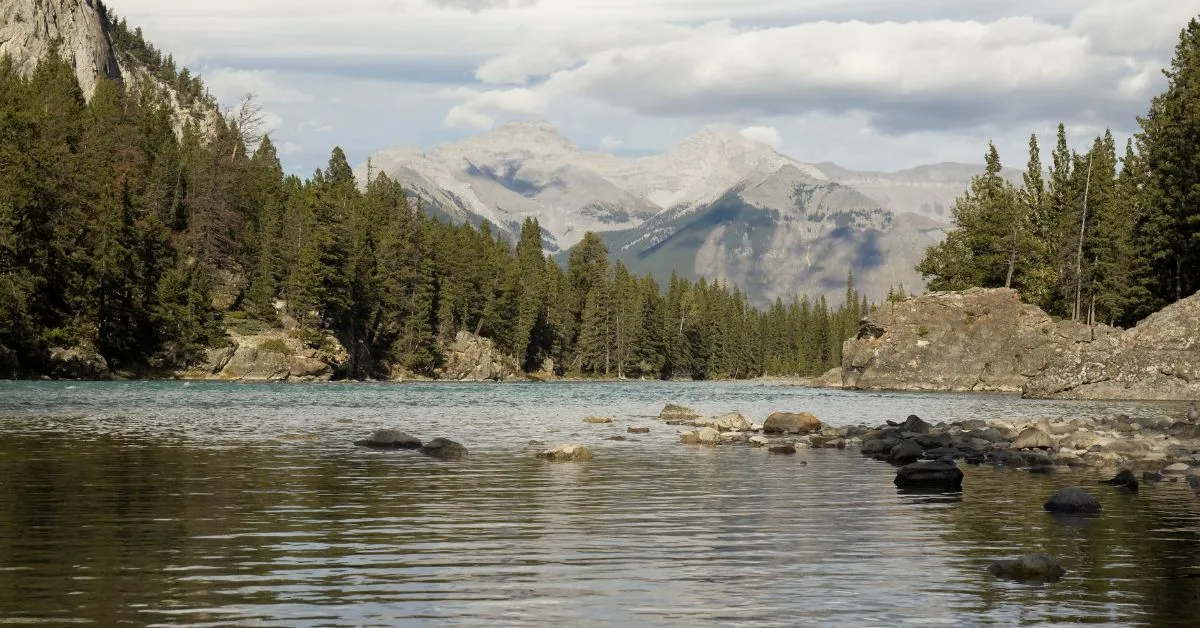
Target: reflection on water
<point>170,504</point>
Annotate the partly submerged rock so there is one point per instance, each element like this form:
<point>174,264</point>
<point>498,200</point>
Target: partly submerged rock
<point>638,430</point>
<point>783,450</point>
<point>702,436</point>
<point>1072,500</point>
<point>792,423</point>
<point>678,413</point>
<point>942,474</point>
<point>905,452</point>
<point>444,449</point>
<point>598,420</point>
<point>1125,479</point>
<point>1031,568</point>
<point>566,453</point>
<point>1178,467</point>
<point>390,439</point>
<point>1033,438</point>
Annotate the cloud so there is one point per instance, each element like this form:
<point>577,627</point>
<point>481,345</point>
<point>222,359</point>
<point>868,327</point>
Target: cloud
<point>609,142</point>
<point>768,135</point>
<point>479,109</point>
<point>476,6</point>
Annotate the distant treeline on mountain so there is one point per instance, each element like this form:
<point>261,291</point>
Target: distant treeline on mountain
<point>1103,240</point>
<point>122,233</point>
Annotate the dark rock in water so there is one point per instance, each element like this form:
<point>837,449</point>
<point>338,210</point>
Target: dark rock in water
<point>1194,482</point>
<point>1032,568</point>
<point>1124,479</point>
<point>1152,477</point>
<point>942,474</point>
<point>1193,414</point>
<point>390,439</point>
<point>878,446</point>
<point>905,452</point>
<point>444,449</point>
<point>784,450</point>
<point>1072,499</point>
<point>638,430</point>
<point>914,424</point>
<point>792,423</point>
<point>938,453</point>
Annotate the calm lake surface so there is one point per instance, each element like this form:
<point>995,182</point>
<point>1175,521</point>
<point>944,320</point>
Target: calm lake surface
<point>164,503</point>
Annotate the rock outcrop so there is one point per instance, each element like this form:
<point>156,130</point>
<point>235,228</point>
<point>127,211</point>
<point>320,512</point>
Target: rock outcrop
<point>29,28</point>
<point>975,340</point>
<point>476,359</point>
<point>273,355</point>
<point>1159,359</point>
<point>77,363</point>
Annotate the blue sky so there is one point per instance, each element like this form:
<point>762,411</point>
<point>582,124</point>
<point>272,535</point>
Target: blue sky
<point>869,84</point>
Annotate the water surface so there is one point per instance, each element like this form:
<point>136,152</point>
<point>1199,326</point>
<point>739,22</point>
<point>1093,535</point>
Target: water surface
<point>162,503</point>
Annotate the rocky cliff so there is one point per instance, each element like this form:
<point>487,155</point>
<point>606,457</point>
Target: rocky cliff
<point>976,340</point>
<point>476,359</point>
<point>29,28</point>
<point>273,355</point>
<point>1157,359</point>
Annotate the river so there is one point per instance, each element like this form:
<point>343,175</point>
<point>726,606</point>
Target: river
<point>213,504</point>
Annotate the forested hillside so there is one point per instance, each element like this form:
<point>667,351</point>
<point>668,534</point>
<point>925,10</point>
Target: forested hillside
<point>1102,239</point>
<point>125,235</point>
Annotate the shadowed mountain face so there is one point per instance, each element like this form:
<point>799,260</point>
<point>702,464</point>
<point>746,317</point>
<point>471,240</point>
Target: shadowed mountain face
<point>718,206</point>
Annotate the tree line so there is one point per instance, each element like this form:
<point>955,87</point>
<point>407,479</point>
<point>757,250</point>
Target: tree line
<point>1095,237</point>
<point>142,241</point>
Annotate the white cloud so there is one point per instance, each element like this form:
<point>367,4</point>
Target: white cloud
<point>609,142</point>
<point>768,135</point>
<point>479,109</point>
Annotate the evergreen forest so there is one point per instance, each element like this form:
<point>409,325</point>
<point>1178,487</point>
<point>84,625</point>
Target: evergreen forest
<point>1106,236</point>
<point>143,238</point>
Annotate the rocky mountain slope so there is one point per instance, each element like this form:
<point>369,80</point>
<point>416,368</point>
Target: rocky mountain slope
<point>719,206</point>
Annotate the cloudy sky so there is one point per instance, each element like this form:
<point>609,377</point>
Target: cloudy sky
<point>869,84</point>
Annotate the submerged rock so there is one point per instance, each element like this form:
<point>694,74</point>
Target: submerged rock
<point>444,449</point>
<point>783,450</point>
<point>759,441</point>
<point>1031,568</point>
<point>390,439</point>
<point>566,453</point>
<point>638,430</point>
<point>598,420</point>
<point>1123,479</point>
<point>1072,500</point>
<point>792,423</point>
<point>942,474</point>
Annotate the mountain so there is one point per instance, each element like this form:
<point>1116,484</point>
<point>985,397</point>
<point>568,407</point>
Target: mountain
<point>718,205</point>
<point>100,46</point>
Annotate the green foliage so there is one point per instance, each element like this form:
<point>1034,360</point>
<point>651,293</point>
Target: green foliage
<point>1103,240</point>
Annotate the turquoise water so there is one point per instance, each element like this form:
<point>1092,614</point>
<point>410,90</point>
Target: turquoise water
<point>166,503</point>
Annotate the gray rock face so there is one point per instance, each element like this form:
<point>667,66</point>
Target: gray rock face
<point>444,449</point>
<point>1031,568</point>
<point>78,363</point>
<point>1159,359</point>
<point>792,423</point>
<point>975,340</point>
<point>476,359</point>
<point>273,355</point>
<point>390,439</point>
<point>28,28</point>
<point>1072,500</point>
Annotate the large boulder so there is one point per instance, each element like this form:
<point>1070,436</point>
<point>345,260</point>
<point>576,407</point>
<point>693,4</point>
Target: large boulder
<point>476,359</point>
<point>975,340</point>
<point>942,474</point>
<point>78,363</point>
<point>1072,500</point>
<point>1033,438</point>
<point>1158,359</point>
<point>1032,568</point>
<point>905,451</point>
<point>390,439</point>
<point>444,449</point>
<point>566,453</point>
<point>792,423</point>
<point>271,355</point>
